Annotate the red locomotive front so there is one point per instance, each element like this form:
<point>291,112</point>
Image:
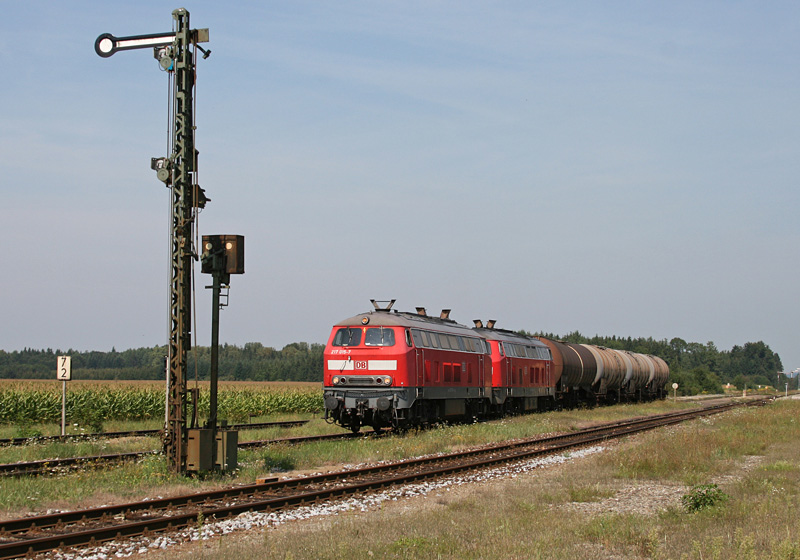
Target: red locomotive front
<point>367,356</point>
<point>385,368</point>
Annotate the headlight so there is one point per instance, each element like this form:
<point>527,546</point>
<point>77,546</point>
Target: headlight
<point>387,380</point>
<point>335,380</point>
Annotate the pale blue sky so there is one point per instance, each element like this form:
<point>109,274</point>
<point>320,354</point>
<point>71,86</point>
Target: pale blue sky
<point>625,168</point>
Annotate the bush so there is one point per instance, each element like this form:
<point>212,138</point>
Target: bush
<point>703,496</point>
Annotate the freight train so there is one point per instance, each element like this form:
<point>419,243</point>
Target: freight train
<point>386,368</point>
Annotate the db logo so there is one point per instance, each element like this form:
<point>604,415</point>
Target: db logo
<point>361,365</point>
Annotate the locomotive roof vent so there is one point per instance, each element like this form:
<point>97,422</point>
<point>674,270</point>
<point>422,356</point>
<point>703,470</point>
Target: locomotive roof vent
<point>421,311</point>
<point>478,323</point>
<point>445,314</point>
<point>490,324</point>
<point>377,304</point>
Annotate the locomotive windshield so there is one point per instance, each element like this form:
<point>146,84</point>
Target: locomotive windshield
<point>379,337</point>
<point>373,336</point>
<point>347,337</point>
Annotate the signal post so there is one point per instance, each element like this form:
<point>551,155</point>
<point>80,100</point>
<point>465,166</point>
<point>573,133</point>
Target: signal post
<point>176,54</point>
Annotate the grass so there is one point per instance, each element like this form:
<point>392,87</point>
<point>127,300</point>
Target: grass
<point>706,449</point>
<point>533,516</point>
<point>588,493</point>
<point>94,486</point>
<point>147,477</point>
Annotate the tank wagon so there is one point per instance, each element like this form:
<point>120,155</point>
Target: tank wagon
<point>401,369</point>
<point>589,374</point>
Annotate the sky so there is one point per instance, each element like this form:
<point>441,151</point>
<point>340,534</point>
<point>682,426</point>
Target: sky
<point>615,168</point>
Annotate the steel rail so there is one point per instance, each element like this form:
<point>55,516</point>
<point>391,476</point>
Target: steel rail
<point>50,466</point>
<point>44,466</point>
<point>139,433</point>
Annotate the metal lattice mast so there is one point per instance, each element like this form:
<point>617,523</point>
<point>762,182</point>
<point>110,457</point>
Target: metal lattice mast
<point>178,171</point>
<point>187,197</point>
<point>182,161</point>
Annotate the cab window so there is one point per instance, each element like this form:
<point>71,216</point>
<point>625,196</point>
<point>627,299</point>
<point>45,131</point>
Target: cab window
<point>378,336</point>
<point>347,337</point>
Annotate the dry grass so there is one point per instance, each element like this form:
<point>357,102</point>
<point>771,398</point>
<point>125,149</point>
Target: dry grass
<point>150,477</point>
<point>623,503</point>
<point>537,515</point>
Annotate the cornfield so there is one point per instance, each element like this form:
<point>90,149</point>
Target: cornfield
<point>24,403</point>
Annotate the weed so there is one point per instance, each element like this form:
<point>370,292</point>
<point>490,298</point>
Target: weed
<point>745,546</point>
<point>26,430</point>
<point>588,493</point>
<point>779,466</point>
<point>649,545</point>
<point>277,462</point>
<point>403,544</point>
<point>788,550</point>
<point>610,529</point>
<point>703,496</point>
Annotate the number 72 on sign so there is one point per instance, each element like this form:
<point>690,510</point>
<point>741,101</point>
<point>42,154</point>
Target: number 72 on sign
<point>64,369</point>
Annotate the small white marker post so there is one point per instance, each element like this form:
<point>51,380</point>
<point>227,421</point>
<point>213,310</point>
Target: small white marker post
<point>674,391</point>
<point>64,373</point>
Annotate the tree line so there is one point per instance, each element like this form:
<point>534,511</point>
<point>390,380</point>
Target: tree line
<point>298,361</point>
<point>697,368</point>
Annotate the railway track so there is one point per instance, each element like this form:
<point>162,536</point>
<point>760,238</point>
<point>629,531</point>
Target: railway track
<point>138,433</point>
<point>54,466</point>
<point>79,528</point>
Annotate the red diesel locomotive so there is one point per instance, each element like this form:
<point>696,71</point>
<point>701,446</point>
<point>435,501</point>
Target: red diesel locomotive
<point>388,368</point>
<point>397,369</point>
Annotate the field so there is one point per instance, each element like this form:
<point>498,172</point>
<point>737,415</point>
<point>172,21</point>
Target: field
<point>30,406</point>
<point>623,502</point>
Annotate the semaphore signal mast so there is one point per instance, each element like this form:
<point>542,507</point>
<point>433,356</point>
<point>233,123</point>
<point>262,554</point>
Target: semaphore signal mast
<point>176,54</point>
